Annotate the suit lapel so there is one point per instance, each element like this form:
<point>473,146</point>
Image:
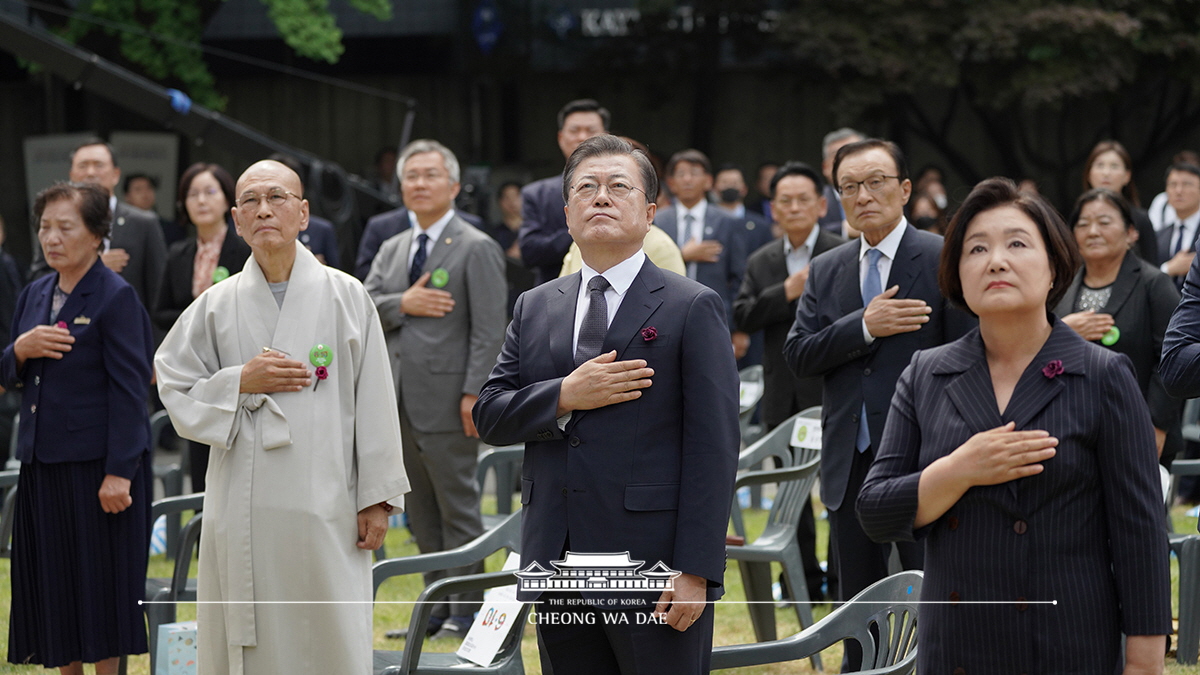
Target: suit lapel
<point>1034,391</point>
<point>905,267</point>
<point>449,243</point>
<point>970,388</point>
<point>636,307</point>
<point>1127,278</point>
<point>775,260</point>
<point>711,220</point>
<point>77,300</point>
<point>405,243</point>
<point>849,290</point>
<point>561,310</point>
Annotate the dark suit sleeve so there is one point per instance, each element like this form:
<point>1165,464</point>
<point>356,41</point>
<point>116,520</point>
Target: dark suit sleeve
<point>1163,298</point>
<point>508,413</point>
<point>813,346</point>
<point>1180,367</point>
<point>710,440</point>
<point>10,376</point>
<point>128,354</point>
<point>156,259</point>
<point>167,307</point>
<point>887,502</point>
<point>758,303</point>
<point>367,248</point>
<point>1133,504</point>
<point>735,255</point>
<point>542,242</point>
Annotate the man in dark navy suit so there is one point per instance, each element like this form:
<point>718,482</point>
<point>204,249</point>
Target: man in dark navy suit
<point>620,381</point>
<point>544,238</point>
<point>867,306</point>
<point>708,238</point>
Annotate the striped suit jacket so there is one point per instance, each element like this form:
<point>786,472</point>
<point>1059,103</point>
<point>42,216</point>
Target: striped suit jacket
<point>1086,533</point>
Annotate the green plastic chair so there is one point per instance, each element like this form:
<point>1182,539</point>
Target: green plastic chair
<point>887,609</point>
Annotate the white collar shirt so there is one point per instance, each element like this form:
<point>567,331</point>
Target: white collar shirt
<point>434,231</point>
<point>797,258</point>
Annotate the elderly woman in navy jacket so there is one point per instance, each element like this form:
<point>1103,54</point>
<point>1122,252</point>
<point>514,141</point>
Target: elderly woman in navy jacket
<point>81,356</point>
<point>1025,457</point>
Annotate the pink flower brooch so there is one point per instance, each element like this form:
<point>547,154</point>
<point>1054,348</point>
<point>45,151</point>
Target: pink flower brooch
<point>1053,369</point>
<point>649,334</point>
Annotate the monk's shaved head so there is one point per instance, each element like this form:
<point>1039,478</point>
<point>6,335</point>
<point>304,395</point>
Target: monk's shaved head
<point>270,170</point>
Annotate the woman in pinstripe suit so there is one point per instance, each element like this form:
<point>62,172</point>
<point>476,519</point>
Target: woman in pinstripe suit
<point>1024,456</point>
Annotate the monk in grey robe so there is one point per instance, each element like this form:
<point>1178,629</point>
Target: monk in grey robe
<point>283,370</point>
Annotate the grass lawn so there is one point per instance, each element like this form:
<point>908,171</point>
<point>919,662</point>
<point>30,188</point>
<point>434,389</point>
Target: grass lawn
<point>732,623</point>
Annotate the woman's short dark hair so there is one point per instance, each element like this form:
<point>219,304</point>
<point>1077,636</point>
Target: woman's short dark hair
<point>1102,195</point>
<point>994,193</point>
<point>1130,190</point>
<point>185,183</point>
<point>607,145</point>
<point>90,199</point>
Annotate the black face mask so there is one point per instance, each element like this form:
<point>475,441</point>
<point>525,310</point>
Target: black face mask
<point>730,195</point>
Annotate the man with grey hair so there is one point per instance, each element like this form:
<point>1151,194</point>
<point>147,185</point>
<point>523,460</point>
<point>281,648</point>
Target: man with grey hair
<point>834,219</point>
<point>440,290</point>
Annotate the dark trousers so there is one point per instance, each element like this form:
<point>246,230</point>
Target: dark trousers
<point>577,640</point>
<point>860,561</point>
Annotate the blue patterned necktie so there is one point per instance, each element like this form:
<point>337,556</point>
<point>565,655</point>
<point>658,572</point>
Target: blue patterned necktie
<point>418,261</point>
<point>595,322</point>
<point>871,287</point>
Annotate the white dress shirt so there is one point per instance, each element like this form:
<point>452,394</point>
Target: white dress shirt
<point>798,258</point>
<point>434,231</point>
<point>620,277</point>
<point>888,247</point>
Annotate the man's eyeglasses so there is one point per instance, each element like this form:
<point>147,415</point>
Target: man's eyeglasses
<point>618,190</point>
<point>873,184</point>
<point>275,198</point>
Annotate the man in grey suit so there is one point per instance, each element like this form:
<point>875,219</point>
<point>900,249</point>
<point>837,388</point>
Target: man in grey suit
<point>135,249</point>
<point>708,238</point>
<point>440,290</point>
<point>866,307</point>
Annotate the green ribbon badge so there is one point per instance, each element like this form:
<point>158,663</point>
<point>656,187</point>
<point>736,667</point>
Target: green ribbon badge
<point>1111,337</point>
<point>220,274</point>
<point>320,356</point>
<point>440,277</point>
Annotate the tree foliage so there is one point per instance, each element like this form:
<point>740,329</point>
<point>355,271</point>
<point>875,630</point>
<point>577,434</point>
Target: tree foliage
<point>161,38</point>
<point>1010,66</point>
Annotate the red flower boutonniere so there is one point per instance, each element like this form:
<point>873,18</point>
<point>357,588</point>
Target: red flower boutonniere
<point>1053,369</point>
<point>61,324</point>
<point>649,334</point>
<point>322,373</point>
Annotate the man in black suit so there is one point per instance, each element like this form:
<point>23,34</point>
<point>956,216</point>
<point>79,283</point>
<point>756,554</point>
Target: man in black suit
<point>867,306</point>
<point>544,238</point>
<point>136,248</point>
<point>713,251</point>
<point>620,382</point>
<point>386,225</point>
<point>775,277</point>
<point>1177,239</point>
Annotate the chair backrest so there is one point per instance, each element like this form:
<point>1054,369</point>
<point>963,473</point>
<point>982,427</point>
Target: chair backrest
<point>751,379</point>
<point>504,462</point>
<point>776,443</point>
<point>794,492</point>
<point>506,535</point>
<point>890,606</point>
